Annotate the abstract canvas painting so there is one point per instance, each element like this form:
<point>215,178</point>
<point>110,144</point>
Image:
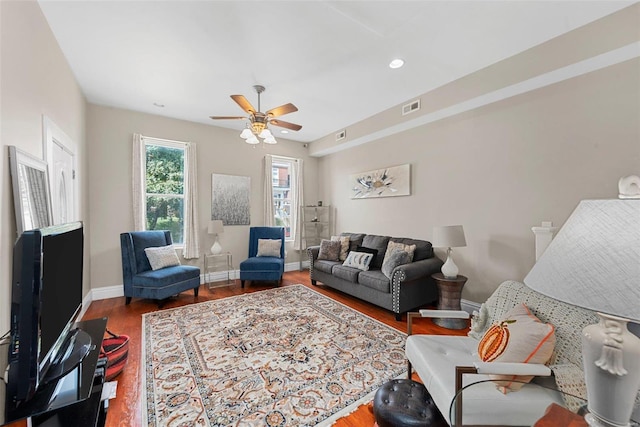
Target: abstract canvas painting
<point>386,182</point>
<point>230,196</point>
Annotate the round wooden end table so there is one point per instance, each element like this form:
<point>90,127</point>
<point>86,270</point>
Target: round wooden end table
<point>449,291</point>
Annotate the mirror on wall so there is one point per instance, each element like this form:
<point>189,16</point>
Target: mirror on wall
<point>30,190</point>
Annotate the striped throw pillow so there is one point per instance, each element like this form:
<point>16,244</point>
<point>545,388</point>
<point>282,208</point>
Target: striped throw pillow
<point>359,260</point>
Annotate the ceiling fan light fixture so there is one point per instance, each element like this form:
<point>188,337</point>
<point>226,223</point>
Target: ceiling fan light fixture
<point>252,140</point>
<point>246,133</point>
<point>257,127</point>
<point>266,133</point>
<point>270,140</point>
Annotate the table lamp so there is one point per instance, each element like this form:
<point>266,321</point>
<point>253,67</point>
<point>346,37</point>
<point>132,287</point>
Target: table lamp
<point>216,228</point>
<point>594,262</point>
<point>449,236</point>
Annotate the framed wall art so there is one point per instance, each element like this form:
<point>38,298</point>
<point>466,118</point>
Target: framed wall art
<point>386,182</point>
<point>230,197</point>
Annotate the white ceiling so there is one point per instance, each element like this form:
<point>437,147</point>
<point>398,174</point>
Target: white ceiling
<point>329,58</point>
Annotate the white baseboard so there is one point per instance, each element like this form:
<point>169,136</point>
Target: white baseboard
<point>118,290</point>
<point>469,306</point>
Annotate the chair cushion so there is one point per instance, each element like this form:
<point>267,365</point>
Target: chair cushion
<point>346,273</point>
<point>166,276</point>
<point>262,264</point>
<point>162,256</point>
<point>518,337</point>
<point>434,357</point>
<point>375,279</point>
<point>269,248</point>
<point>325,266</point>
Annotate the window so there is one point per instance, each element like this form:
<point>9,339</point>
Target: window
<point>165,187</point>
<point>282,171</point>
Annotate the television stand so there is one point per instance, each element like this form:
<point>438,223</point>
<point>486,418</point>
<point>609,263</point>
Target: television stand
<point>75,398</point>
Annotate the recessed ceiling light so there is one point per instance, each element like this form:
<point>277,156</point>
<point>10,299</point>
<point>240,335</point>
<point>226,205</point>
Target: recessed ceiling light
<point>396,63</point>
<point>157,104</point>
<point>284,131</point>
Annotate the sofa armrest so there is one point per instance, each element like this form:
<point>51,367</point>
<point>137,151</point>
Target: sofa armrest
<point>417,269</point>
<point>313,252</point>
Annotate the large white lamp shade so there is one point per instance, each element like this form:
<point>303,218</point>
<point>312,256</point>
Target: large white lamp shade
<point>594,262</point>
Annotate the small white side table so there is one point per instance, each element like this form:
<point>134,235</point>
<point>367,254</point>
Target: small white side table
<point>218,262</point>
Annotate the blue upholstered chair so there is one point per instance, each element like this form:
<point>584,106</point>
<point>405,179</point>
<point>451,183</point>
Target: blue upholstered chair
<point>263,267</point>
<point>143,282</point>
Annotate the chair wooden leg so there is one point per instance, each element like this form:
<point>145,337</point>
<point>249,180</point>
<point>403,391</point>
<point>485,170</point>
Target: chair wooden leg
<point>242,283</point>
<point>195,291</point>
<point>127,300</point>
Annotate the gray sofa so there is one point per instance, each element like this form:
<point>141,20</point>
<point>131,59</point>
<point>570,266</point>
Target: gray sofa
<point>410,286</point>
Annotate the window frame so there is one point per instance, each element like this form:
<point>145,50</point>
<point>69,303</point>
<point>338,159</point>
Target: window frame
<point>279,162</point>
<point>150,141</point>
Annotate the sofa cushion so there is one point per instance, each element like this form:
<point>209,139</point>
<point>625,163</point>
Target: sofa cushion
<point>355,239</point>
<point>330,250</point>
<point>374,279</point>
<point>376,242</point>
<point>394,258</point>
<point>346,273</point>
<point>423,250</point>
<point>325,266</point>
<point>518,337</point>
<point>344,246</point>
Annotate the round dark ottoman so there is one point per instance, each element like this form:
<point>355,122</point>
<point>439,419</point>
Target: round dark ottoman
<point>400,403</point>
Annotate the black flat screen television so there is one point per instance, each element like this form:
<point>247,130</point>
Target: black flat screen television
<point>46,299</point>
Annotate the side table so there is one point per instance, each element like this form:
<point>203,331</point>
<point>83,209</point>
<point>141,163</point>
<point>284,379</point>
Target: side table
<point>218,262</point>
<point>449,291</point>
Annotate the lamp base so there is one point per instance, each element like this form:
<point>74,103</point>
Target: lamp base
<point>216,248</point>
<point>611,357</point>
<point>449,268</point>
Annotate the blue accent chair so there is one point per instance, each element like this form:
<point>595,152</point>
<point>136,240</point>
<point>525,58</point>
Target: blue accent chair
<point>264,267</point>
<point>140,280</point>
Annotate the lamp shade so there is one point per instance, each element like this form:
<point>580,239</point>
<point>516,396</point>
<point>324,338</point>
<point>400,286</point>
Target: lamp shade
<point>216,227</point>
<point>594,261</point>
<point>448,236</point>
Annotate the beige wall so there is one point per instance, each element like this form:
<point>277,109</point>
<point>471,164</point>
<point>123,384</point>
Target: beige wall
<point>110,131</point>
<point>35,80</point>
<point>499,170</point>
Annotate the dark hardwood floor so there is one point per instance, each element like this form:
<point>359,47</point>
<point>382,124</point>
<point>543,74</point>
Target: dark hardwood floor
<point>125,409</point>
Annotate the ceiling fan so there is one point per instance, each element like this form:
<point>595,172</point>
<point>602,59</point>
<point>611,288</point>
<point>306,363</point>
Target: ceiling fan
<point>258,120</point>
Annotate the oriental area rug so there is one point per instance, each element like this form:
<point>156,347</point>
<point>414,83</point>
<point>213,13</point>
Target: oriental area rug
<point>287,356</point>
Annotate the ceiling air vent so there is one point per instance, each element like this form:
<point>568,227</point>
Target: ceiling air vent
<point>341,135</point>
<point>411,107</point>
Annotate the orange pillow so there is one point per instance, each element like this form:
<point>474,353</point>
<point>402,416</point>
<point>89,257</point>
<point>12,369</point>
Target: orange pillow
<point>519,337</point>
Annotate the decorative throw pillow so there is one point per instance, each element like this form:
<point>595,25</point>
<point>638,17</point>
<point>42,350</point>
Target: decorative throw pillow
<point>394,258</point>
<point>330,250</point>
<point>344,248</point>
<point>162,256</point>
<point>269,247</point>
<point>359,260</point>
<point>366,250</point>
<point>519,337</point>
<point>410,249</point>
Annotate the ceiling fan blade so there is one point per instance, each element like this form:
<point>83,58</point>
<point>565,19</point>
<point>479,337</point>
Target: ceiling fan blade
<point>282,110</point>
<point>243,103</point>
<point>284,124</point>
<point>227,117</point>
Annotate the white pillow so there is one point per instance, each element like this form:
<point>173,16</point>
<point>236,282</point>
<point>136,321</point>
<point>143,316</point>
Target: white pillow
<point>269,247</point>
<point>162,256</point>
<point>359,260</point>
